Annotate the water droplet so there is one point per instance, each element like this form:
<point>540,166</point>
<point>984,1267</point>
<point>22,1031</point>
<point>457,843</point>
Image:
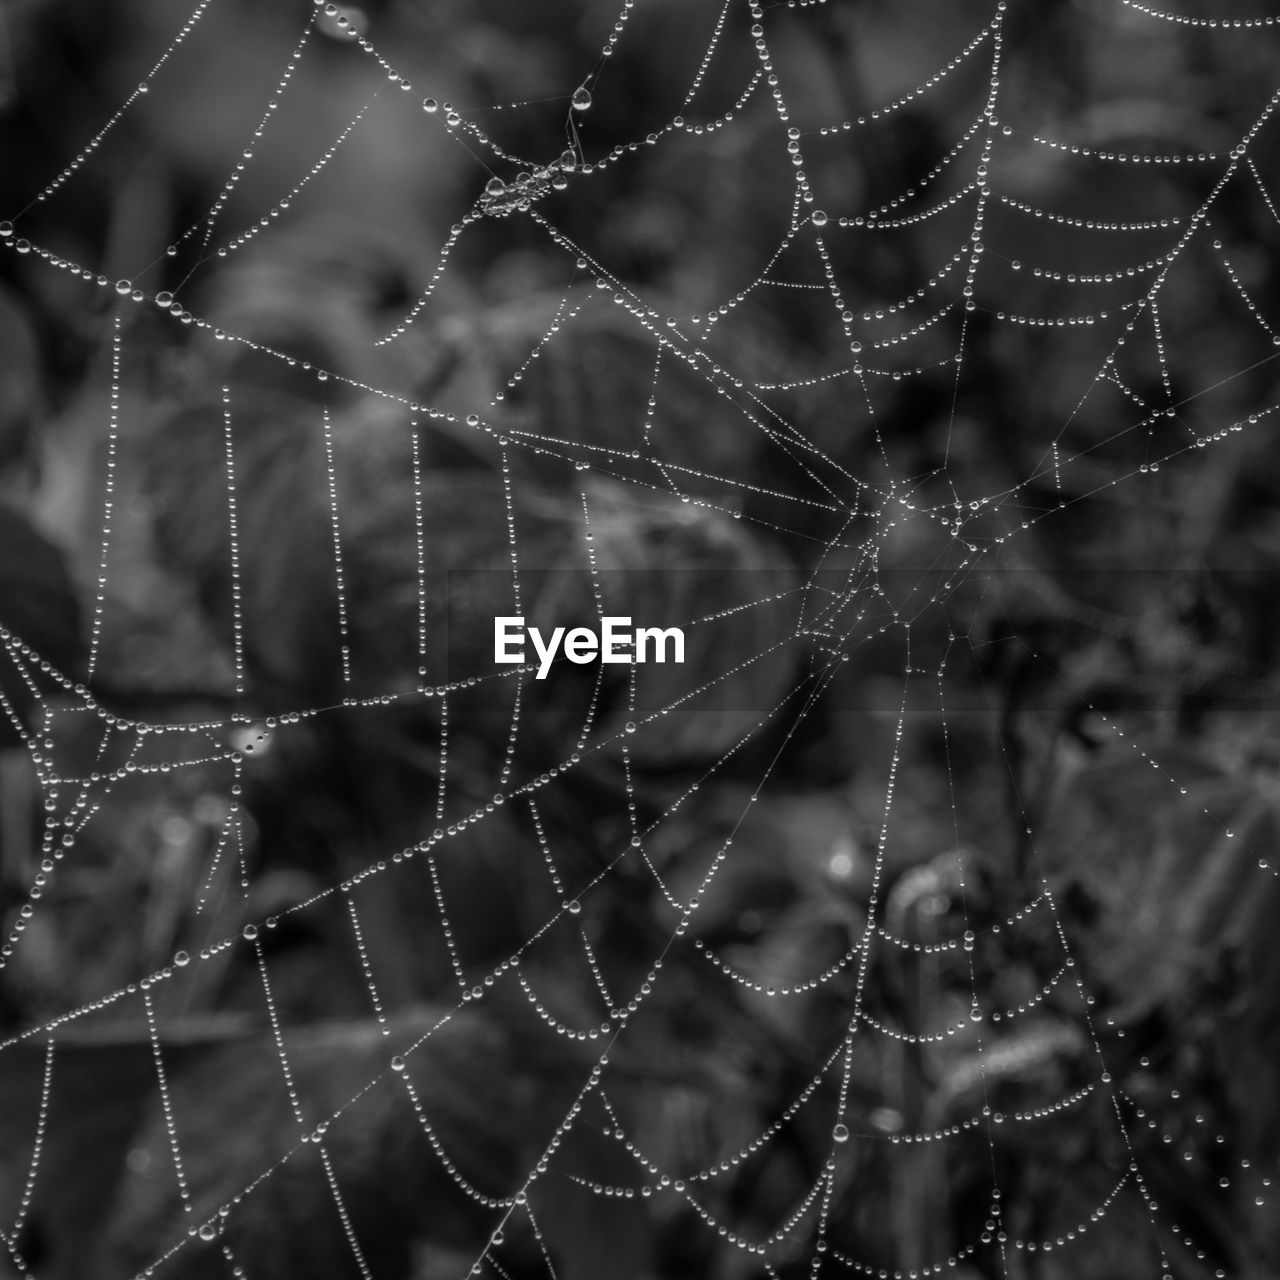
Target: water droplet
<point>495,187</point>
<point>6,230</point>
<point>250,932</point>
<point>818,217</point>
<point>581,99</point>
<point>207,1232</point>
<point>397,1063</point>
<point>630,726</point>
<point>840,1133</point>
<point>181,959</point>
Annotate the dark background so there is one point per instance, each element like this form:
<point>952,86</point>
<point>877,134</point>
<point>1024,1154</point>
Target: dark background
<point>1087,1086</point>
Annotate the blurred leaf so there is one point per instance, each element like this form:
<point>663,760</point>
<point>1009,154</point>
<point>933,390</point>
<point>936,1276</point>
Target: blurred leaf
<point>20,390</point>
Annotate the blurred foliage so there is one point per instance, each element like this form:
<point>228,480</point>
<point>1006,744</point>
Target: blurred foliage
<point>1110,714</point>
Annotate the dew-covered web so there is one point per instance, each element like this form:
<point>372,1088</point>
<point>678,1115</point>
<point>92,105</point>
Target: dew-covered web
<point>893,933</point>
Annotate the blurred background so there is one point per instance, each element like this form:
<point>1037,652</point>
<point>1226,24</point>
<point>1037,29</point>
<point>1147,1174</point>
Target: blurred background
<point>309,960</point>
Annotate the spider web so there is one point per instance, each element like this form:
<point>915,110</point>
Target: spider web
<point>771,964</point>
